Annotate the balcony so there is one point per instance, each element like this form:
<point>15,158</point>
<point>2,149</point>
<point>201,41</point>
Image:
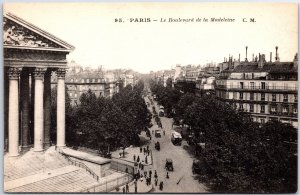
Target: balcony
<point>258,88</point>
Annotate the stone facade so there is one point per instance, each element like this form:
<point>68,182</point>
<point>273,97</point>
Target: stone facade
<point>30,56</point>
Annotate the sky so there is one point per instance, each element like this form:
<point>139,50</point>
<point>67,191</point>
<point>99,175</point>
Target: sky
<point>155,45</point>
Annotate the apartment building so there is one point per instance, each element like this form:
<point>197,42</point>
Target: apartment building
<point>266,90</point>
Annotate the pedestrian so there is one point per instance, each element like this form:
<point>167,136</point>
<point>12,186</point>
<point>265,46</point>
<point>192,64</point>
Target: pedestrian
<point>147,147</point>
<point>142,166</point>
<point>134,157</point>
<point>138,159</point>
<point>150,173</point>
<point>167,175</point>
<point>164,132</point>
<point>138,174</point>
<point>155,181</point>
<point>123,190</point>
<point>135,186</point>
<point>161,186</point>
<point>149,152</point>
<point>126,170</point>
<point>141,149</point>
<point>152,131</point>
<point>127,188</point>
<point>145,173</point>
<point>155,174</point>
<point>120,154</point>
<point>144,151</point>
<point>146,160</point>
<point>150,137</point>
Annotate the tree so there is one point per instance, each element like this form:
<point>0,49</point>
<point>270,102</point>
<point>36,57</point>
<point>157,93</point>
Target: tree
<point>240,156</point>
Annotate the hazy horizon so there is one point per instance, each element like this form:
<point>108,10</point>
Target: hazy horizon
<point>146,46</point>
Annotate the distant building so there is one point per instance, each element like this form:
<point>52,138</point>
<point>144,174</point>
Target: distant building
<point>266,90</point>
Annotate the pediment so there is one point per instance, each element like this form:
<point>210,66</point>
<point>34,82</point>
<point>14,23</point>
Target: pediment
<point>17,33</point>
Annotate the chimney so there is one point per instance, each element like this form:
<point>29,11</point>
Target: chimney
<point>296,62</point>
<point>270,56</point>
<point>246,60</point>
<point>276,58</point>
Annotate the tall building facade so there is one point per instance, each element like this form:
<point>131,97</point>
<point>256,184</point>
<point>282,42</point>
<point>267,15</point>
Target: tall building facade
<point>266,90</point>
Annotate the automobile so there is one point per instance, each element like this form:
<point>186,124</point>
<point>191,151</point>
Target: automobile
<point>157,146</point>
<point>161,113</point>
<point>157,133</point>
<point>196,166</point>
<point>176,138</point>
<point>169,164</point>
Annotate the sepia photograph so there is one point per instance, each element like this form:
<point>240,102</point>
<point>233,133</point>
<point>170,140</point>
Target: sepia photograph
<point>164,97</point>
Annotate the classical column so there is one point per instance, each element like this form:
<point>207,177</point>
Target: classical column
<point>13,111</point>
<point>61,107</point>
<point>38,109</point>
<point>32,87</point>
<point>47,107</point>
<point>25,108</point>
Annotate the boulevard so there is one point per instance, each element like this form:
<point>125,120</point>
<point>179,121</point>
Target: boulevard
<point>182,160</point>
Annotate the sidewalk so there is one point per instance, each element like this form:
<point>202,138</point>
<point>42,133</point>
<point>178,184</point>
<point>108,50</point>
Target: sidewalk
<point>141,187</point>
<point>131,151</point>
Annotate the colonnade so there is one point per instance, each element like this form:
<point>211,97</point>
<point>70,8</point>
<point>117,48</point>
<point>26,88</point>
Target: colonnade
<point>29,103</point>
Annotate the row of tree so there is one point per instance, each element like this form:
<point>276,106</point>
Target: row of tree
<point>240,155</point>
<point>101,123</point>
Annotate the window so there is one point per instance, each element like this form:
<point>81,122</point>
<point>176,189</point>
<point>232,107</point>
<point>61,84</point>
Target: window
<point>251,108</point>
<point>285,86</point>
<point>241,106</point>
<point>285,109</point>
<point>71,80</point>
<point>262,96</point>
<point>262,121</point>
<point>273,109</point>
<point>285,97</point>
<point>263,85</point>
<point>241,95</point>
<point>87,80</point>
<point>295,110</point>
<point>262,109</point>
<point>273,97</point>
<point>99,80</point>
<point>251,96</point>
<point>75,95</point>
<point>82,80</point>
<point>93,80</point>
<point>296,98</point>
<point>251,85</point>
<point>241,85</point>
<point>71,94</point>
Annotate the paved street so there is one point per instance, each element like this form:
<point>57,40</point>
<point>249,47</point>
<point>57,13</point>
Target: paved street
<point>182,161</point>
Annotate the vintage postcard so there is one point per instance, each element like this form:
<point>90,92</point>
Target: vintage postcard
<point>150,97</point>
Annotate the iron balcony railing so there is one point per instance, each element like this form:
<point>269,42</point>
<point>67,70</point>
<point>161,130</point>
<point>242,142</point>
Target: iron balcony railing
<point>267,88</point>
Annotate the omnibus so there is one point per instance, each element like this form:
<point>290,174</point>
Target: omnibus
<point>176,138</point>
